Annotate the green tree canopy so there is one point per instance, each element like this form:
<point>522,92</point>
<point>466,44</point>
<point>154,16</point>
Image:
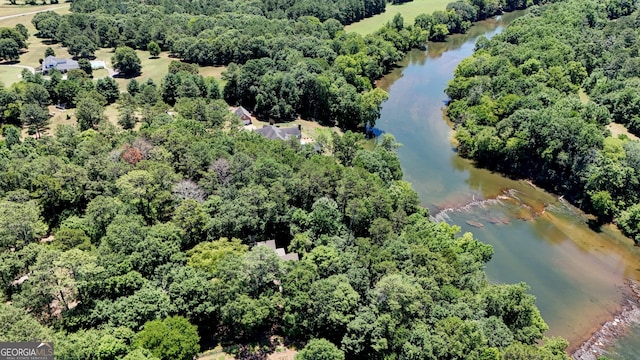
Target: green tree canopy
<point>170,339</point>
<point>126,61</point>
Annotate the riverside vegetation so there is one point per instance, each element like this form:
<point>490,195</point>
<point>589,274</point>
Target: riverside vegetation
<point>123,244</point>
<point>518,111</point>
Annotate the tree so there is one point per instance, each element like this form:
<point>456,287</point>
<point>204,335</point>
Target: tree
<point>192,292</point>
<point>149,191</point>
<point>85,65</point>
<point>346,146</point>
<point>173,338</point>
<point>325,217</point>
<point>11,135</point>
<point>82,47</point>
<point>629,221</point>
<point>35,117</point>
<point>17,325</point>
<point>90,110</point>
<point>147,304</point>
<point>371,106</point>
<point>108,88</point>
<point>439,32</point>
<point>333,303</point>
<point>397,22</point>
<point>133,87</point>
<point>49,52</point>
<point>9,50</point>
<point>67,92</point>
<point>154,49</point>
<point>320,349</point>
<point>20,224</point>
<point>47,24</point>
<point>126,117</point>
<point>126,61</point>
<point>20,28</point>
<point>35,94</point>
<point>15,35</point>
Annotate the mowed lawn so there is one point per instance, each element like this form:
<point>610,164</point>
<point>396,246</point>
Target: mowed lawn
<point>36,46</point>
<point>152,68</point>
<point>408,10</point>
<point>7,10</point>
<point>10,75</point>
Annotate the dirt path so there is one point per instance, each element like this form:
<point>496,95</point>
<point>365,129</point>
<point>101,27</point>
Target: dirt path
<point>33,12</point>
<point>112,72</point>
<point>619,129</point>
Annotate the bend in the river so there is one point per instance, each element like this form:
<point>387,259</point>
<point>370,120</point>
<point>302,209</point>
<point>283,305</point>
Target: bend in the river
<point>579,275</point>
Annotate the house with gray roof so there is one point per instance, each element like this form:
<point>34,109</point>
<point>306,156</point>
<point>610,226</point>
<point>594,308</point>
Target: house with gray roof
<point>278,133</point>
<point>62,65</point>
<point>244,115</point>
<point>271,244</point>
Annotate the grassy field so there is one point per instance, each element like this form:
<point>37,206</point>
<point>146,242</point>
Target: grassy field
<point>154,68</point>
<point>213,71</point>
<point>59,117</point>
<point>408,10</point>
<point>7,9</point>
<point>9,75</point>
<point>36,46</point>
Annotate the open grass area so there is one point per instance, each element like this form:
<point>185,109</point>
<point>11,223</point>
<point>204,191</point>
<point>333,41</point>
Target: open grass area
<point>408,10</point>
<point>7,10</point>
<point>584,97</point>
<point>36,46</point>
<point>619,129</point>
<point>59,117</point>
<point>152,68</point>
<point>9,75</point>
<point>215,72</point>
<point>26,19</point>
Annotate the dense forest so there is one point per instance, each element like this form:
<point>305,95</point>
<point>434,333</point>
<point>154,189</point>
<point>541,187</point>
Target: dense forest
<point>141,244</point>
<point>518,107</point>
<point>150,233</point>
<point>286,58</point>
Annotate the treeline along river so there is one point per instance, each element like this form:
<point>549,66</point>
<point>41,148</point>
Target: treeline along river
<point>580,276</point>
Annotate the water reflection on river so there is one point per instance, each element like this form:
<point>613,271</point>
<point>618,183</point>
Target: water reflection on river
<point>577,274</point>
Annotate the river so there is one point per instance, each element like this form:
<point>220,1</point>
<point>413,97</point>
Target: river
<point>579,276</point>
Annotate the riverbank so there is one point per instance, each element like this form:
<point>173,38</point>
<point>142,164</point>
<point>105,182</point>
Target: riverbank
<point>610,331</point>
<point>575,272</point>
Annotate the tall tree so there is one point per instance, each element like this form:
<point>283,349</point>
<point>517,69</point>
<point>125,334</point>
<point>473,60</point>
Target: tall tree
<point>126,61</point>
<point>82,47</point>
<point>9,50</point>
<point>20,224</point>
<point>173,338</point>
<point>35,117</point>
<point>90,110</point>
<point>108,88</point>
<point>320,349</point>
<point>154,49</point>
